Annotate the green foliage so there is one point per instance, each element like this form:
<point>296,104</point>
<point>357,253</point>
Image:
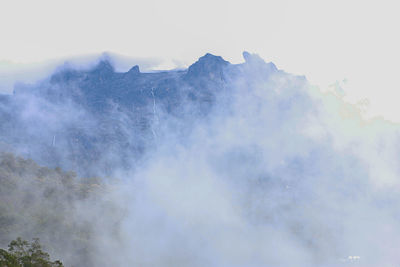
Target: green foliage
<point>21,253</point>
<point>41,202</point>
<point>8,259</point>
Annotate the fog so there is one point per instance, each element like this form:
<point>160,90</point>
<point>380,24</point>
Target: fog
<point>269,172</point>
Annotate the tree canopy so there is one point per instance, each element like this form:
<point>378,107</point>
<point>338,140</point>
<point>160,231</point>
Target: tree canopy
<point>22,253</point>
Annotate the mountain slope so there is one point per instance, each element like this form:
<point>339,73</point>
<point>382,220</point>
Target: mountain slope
<point>83,119</point>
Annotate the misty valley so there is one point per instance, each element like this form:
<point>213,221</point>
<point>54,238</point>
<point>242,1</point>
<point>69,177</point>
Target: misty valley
<point>217,164</point>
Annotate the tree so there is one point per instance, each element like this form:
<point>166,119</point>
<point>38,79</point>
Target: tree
<point>21,253</point>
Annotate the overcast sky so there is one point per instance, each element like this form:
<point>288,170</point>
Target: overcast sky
<point>354,43</point>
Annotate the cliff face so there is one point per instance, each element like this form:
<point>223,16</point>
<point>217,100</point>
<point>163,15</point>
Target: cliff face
<point>75,117</point>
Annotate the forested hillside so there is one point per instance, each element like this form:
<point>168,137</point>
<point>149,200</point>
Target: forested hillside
<point>38,202</point>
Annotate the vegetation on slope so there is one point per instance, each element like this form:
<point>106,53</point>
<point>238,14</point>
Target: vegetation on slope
<point>40,202</point>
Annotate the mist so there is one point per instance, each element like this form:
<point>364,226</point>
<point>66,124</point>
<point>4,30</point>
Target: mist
<point>216,165</point>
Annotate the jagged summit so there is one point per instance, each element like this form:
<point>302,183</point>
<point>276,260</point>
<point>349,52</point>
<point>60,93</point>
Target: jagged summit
<point>255,62</point>
<point>102,82</point>
<point>104,67</point>
<point>207,65</point>
<point>252,58</point>
<point>209,60</point>
<point>208,57</point>
<point>247,56</point>
<point>134,70</point>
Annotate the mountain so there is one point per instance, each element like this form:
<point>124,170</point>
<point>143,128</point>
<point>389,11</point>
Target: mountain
<point>82,119</point>
<point>218,164</point>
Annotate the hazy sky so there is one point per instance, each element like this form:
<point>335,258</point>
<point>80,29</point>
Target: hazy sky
<point>355,43</point>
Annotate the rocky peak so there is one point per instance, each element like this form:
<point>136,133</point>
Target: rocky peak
<point>103,68</point>
<point>256,62</point>
<point>134,70</point>
<point>206,65</point>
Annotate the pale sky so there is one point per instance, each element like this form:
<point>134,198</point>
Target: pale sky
<point>328,41</point>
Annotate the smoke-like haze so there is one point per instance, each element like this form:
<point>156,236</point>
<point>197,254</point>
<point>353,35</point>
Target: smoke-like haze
<point>275,173</point>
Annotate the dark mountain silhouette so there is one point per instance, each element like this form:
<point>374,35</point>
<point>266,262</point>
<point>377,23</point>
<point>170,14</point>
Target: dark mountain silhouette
<point>76,118</point>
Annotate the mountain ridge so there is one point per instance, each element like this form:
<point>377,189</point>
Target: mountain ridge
<point>98,109</point>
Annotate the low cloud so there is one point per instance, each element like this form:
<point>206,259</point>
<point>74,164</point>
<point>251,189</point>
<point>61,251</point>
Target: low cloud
<point>275,173</point>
